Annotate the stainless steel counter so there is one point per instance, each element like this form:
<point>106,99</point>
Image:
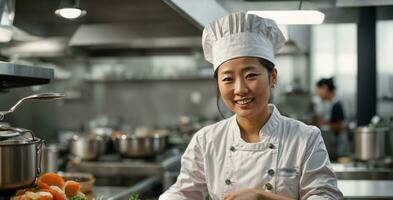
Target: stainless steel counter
<point>352,189</point>
<point>366,189</point>
<point>357,181</point>
<point>119,193</point>
<point>111,165</point>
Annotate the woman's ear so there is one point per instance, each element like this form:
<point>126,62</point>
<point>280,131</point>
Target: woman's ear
<point>274,78</point>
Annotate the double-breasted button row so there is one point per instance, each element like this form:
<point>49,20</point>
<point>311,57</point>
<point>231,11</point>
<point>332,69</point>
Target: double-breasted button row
<point>269,186</point>
<point>228,182</point>
<point>271,146</point>
<point>233,149</point>
<point>270,172</point>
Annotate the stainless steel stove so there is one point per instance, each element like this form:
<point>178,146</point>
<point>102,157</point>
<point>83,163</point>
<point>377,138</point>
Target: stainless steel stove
<point>114,173</point>
<point>113,164</point>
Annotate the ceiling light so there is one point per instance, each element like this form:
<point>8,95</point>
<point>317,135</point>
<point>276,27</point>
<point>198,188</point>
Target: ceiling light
<point>292,16</point>
<point>70,9</point>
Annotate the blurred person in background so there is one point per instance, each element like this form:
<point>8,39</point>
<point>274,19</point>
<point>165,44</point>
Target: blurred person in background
<point>330,118</point>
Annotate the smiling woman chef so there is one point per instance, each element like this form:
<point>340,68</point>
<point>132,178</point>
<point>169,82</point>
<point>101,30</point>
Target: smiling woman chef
<point>257,153</point>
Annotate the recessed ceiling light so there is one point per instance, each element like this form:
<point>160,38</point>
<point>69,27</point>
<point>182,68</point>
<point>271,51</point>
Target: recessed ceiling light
<point>70,9</point>
<point>292,16</point>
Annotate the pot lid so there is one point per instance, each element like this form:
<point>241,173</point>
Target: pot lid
<point>10,135</point>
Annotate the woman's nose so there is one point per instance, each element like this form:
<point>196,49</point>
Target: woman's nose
<point>240,88</point>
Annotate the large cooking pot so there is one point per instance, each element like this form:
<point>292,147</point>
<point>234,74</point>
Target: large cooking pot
<point>140,145</point>
<point>87,146</point>
<point>370,143</point>
<point>20,158</point>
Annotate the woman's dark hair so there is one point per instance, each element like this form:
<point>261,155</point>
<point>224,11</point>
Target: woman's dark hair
<point>328,82</point>
<point>266,63</point>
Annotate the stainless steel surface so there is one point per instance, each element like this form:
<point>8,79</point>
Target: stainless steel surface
<point>111,165</point>
<point>389,142</point>
<point>370,143</point>
<point>87,147</point>
<point>370,174</point>
<point>12,135</point>
<point>193,11</point>
<point>140,145</point>
<point>16,75</point>
<point>117,193</point>
<point>356,3</point>
<point>20,163</point>
<point>362,181</point>
<point>7,13</point>
<point>140,187</point>
<point>49,159</point>
<point>135,37</point>
<point>366,189</point>
<point>43,96</point>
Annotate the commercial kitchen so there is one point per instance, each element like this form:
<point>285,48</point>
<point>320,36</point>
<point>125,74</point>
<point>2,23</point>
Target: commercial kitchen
<point>110,97</point>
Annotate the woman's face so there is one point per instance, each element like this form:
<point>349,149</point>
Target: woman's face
<point>244,86</point>
<point>322,91</point>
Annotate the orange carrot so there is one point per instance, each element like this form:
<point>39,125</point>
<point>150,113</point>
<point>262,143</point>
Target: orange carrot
<point>50,179</point>
<point>71,188</point>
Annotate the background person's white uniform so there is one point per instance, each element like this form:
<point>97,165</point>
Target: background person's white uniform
<point>290,160</point>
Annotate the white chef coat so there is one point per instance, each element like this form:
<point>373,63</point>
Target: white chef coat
<point>290,160</point>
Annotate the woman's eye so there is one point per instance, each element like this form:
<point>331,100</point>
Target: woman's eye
<point>227,79</point>
<point>251,75</point>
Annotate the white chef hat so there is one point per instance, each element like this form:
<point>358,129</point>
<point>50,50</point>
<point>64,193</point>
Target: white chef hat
<point>241,34</point>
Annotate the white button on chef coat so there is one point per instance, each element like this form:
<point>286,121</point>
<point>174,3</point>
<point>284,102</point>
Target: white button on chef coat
<point>290,160</point>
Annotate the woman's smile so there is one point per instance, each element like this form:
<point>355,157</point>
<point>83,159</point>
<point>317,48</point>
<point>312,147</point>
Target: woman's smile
<point>244,103</point>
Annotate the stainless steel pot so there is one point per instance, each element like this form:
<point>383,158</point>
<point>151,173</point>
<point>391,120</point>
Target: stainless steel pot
<point>106,134</point>
<point>20,158</point>
<point>370,143</point>
<point>50,158</point>
<point>137,146</point>
<point>88,146</point>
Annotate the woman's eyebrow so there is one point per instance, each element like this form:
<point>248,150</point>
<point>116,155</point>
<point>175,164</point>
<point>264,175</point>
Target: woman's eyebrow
<point>228,71</point>
<point>249,68</point>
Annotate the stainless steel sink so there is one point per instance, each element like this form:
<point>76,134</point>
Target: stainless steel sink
<point>369,174</point>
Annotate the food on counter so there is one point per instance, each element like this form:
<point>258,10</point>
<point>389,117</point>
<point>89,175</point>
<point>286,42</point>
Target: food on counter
<point>85,180</point>
<point>50,179</point>
<point>51,186</point>
<point>71,188</point>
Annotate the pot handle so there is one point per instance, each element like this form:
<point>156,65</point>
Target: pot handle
<point>31,133</point>
<point>40,151</point>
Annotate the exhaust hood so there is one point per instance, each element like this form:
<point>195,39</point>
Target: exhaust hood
<point>6,19</point>
<point>15,75</point>
<point>146,38</point>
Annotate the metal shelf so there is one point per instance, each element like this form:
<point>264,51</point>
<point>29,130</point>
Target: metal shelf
<point>16,75</point>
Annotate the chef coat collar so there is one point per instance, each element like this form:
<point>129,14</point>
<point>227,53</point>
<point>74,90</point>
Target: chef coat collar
<point>268,130</point>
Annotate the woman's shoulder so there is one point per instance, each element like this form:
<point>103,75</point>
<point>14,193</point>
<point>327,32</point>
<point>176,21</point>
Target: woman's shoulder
<point>215,130</point>
<point>299,129</point>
